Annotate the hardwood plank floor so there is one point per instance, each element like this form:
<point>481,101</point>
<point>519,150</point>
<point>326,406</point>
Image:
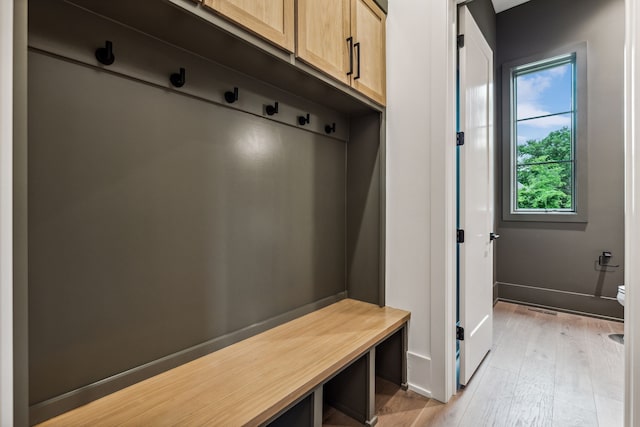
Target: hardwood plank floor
<point>545,369</point>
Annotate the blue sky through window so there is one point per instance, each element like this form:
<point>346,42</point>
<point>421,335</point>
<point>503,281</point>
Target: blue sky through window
<point>540,93</point>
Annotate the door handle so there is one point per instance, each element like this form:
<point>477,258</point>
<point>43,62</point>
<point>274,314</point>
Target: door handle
<point>350,41</point>
<point>493,236</point>
<point>357,46</point>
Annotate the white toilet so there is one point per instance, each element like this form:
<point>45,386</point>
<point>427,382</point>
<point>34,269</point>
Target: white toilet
<point>621,294</point>
<point>619,338</point>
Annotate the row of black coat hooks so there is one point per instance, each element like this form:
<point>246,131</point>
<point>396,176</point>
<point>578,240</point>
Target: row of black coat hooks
<point>105,56</point>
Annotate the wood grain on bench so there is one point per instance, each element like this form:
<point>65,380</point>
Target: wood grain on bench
<point>251,381</point>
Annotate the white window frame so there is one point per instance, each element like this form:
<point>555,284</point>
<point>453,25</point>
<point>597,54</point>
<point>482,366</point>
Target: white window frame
<point>578,212</point>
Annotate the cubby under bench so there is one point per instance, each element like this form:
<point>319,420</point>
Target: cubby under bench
<point>283,376</point>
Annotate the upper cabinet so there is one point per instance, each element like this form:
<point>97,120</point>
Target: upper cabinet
<point>368,30</point>
<point>345,39</point>
<point>324,36</point>
<point>270,19</point>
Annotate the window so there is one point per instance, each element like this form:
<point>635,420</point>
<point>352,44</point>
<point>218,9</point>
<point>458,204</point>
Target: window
<point>544,129</point>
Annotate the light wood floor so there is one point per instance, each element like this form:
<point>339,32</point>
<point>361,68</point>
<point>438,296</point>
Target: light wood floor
<point>558,370</point>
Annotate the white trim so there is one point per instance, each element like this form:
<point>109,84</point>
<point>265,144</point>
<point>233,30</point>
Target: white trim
<point>539,288</point>
<point>443,50</point>
<point>560,310</point>
<point>421,391</point>
<point>419,370</point>
<point>6,213</point>
<point>632,214</point>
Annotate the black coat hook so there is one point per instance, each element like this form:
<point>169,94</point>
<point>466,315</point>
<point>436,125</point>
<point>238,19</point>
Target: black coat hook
<point>272,109</point>
<point>330,129</point>
<point>231,97</point>
<point>302,120</point>
<point>105,55</point>
<point>178,79</point>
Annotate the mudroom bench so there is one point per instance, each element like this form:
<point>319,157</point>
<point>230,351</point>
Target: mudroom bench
<point>283,376</point>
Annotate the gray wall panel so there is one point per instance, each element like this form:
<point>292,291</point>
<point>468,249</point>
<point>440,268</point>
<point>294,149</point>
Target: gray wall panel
<point>363,215</point>
<point>20,225</point>
<point>158,221</point>
<point>562,256</point>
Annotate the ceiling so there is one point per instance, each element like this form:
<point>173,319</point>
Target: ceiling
<point>502,5</point>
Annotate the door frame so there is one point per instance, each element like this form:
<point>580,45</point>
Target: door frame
<point>632,213</point>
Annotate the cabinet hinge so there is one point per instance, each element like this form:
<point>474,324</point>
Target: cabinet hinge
<point>460,236</point>
<point>459,333</point>
<point>460,138</point>
<point>460,41</point>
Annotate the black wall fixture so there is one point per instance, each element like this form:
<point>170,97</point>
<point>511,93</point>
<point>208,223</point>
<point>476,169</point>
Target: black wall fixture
<point>604,260</point>
<point>303,120</point>
<point>231,97</point>
<point>272,109</point>
<point>330,128</point>
<point>178,79</point>
<point>105,55</point>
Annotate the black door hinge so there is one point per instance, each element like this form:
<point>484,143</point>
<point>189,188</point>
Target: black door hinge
<point>459,333</point>
<point>460,236</point>
<point>460,41</point>
<point>460,138</point>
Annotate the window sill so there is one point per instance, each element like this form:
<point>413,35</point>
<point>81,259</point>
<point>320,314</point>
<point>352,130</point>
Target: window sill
<point>544,217</point>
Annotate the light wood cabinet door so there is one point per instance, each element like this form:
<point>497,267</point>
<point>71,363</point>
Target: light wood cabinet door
<point>270,19</point>
<point>323,30</point>
<point>368,25</point>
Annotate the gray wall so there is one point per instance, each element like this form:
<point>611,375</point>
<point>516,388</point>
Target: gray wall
<point>364,216</point>
<point>553,264</point>
<point>158,222</point>
<point>485,16</point>
<point>166,223</point>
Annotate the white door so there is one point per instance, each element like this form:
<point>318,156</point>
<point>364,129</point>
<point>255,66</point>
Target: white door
<point>476,196</point>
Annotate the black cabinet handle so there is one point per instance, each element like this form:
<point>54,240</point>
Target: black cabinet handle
<point>357,46</point>
<point>493,236</point>
<point>350,41</point>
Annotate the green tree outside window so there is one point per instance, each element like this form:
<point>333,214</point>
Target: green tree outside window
<point>544,182</point>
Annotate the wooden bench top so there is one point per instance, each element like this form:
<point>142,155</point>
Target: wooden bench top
<point>251,381</point>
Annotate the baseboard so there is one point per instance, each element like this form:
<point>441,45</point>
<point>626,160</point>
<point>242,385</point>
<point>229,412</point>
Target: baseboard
<point>419,373</point>
<point>421,391</point>
<point>81,396</point>
<point>564,301</point>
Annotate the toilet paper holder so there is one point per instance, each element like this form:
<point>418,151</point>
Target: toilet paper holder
<point>604,258</point>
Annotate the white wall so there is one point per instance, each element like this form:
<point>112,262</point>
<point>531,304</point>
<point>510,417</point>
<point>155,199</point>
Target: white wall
<point>420,184</point>
<point>408,178</point>
<point>6,209</point>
